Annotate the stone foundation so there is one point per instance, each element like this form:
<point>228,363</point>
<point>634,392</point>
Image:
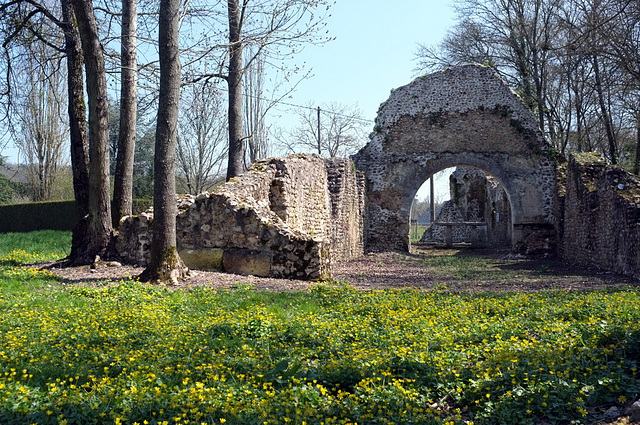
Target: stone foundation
<point>285,217</point>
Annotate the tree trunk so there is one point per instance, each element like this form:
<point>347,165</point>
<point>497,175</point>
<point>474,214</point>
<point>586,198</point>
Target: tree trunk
<point>234,80</point>
<point>78,130</point>
<point>123,182</point>
<point>611,138</point>
<point>99,218</point>
<point>165,265</point>
<point>636,162</point>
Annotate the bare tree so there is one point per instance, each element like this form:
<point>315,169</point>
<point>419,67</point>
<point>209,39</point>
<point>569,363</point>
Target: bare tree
<point>274,29</point>
<point>35,97</point>
<point>333,130</point>
<point>165,264</point>
<point>573,62</point>
<point>99,225</point>
<point>91,182</point>
<point>255,110</point>
<point>202,141</point>
<point>236,15</point>
<point>42,122</point>
<point>77,131</point>
<point>123,179</point>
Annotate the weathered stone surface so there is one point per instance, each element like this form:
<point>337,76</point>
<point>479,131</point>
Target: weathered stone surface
<point>635,412</point>
<point>202,259</point>
<point>601,223</point>
<point>247,262</point>
<point>303,210</point>
<point>461,116</point>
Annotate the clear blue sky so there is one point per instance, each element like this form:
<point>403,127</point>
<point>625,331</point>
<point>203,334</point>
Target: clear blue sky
<point>374,50</point>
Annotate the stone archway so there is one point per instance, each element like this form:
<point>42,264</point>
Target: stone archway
<point>460,116</point>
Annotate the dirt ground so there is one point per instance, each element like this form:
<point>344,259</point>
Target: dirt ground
<point>493,270</point>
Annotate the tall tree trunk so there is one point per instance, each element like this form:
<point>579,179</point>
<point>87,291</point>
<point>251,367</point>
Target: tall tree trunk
<point>611,138</point>
<point>165,265</point>
<point>234,80</point>
<point>636,162</point>
<point>123,182</point>
<point>78,131</point>
<point>99,225</point>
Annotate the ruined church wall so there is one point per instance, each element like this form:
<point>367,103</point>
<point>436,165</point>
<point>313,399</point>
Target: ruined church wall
<point>601,223</point>
<point>299,194</point>
<point>278,219</point>
<point>347,195</point>
<point>461,116</point>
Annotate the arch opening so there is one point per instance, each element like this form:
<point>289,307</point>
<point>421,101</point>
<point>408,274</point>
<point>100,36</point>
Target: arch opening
<point>470,207</point>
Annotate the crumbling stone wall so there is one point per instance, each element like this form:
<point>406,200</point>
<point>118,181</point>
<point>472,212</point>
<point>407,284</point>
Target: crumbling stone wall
<point>463,115</point>
<point>475,197</point>
<point>601,224</point>
<point>286,217</point>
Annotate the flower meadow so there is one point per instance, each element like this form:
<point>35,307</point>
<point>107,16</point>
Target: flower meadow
<point>127,353</point>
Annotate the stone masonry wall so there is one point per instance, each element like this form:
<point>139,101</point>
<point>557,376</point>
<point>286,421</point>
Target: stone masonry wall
<point>347,195</point>
<point>475,197</point>
<point>461,116</point>
<point>601,225</point>
<point>285,217</point>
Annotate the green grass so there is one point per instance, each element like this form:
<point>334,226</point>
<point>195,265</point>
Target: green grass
<point>48,245</point>
<point>131,353</point>
<point>18,251</point>
<point>464,266</point>
<point>416,232</point>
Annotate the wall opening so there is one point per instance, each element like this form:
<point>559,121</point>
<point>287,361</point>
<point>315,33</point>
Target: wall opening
<point>421,208</point>
<point>472,208</point>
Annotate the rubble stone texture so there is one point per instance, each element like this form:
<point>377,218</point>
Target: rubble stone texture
<point>460,116</point>
<point>601,224</point>
<point>286,217</point>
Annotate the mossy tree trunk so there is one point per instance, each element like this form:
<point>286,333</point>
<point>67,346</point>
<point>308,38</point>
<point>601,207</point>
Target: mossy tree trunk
<point>99,216</point>
<point>77,131</point>
<point>165,265</point>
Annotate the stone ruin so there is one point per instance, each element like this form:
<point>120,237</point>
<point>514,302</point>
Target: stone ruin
<point>294,217</point>
<point>599,210</point>
<point>475,198</point>
<point>462,116</point>
<point>285,217</point>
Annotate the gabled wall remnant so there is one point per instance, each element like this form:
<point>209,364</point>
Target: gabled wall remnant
<point>285,217</point>
<point>463,115</point>
<point>601,224</point>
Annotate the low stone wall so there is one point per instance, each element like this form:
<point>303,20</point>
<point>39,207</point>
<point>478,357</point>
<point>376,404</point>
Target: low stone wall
<point>601,225</point>
<point>286,217</point>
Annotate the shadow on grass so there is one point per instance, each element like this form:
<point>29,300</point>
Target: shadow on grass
<point>462,262</point>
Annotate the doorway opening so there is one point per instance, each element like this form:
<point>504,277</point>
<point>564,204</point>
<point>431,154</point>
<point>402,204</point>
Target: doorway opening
<point>469,208</point>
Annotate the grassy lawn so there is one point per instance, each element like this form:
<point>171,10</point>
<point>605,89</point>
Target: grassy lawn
<point>132,353</point>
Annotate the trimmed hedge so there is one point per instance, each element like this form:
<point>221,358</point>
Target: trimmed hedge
<point>53,215</point>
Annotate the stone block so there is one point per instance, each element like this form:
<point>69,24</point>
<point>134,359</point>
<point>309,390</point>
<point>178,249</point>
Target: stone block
<point>247,262</point>
<point>202,259</point>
